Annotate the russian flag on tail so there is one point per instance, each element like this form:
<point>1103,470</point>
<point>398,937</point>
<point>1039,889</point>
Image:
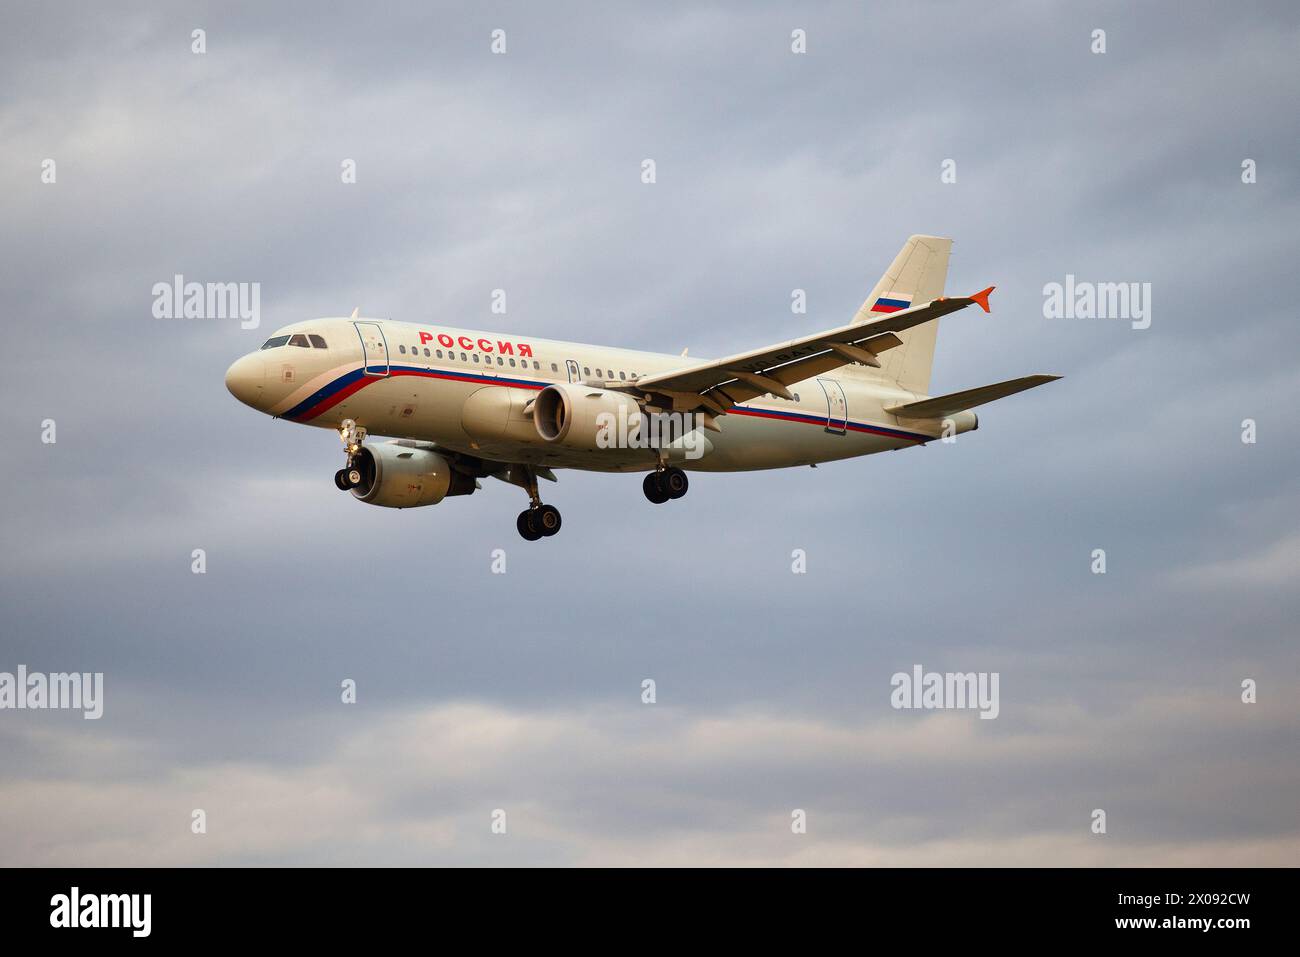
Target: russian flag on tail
<point>892,302</point>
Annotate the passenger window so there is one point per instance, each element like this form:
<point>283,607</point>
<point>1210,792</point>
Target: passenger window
<point>554,367</point>
<point>598,375</point>
<point>316,341</point>
<point>476,357</point>
<point>586,371</point>
<point>402,349</point>
<point>512,363</point>
<point>299,340</point>
<point>500,361</point>
<point>439,353</point>
<point>426,352</point>
<point>464,358</point>
<point>622,374</point>
<point>275,342</point>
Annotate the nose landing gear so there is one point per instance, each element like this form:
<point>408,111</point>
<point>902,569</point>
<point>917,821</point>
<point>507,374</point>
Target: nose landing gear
<point>661,485</point>
<point>353,437</point>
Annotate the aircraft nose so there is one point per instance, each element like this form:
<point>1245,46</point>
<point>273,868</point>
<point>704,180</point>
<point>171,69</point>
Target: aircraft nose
<point>245,378</point>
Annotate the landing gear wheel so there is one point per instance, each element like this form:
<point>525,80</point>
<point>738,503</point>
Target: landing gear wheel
<point>353,477</point>
<point>675,483</point>
<point>653,487</point>
<point>526,526</point>
<point>341,480</point>
<point>538,519</point>
<point>547,520</point>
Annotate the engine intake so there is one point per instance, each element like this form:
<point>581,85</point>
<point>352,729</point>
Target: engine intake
<point>580,417</point>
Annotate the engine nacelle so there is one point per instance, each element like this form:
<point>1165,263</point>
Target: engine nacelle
<point>496,414</point>
<point>581,417</point>
<point>955,424</point>
<point>400,476</point>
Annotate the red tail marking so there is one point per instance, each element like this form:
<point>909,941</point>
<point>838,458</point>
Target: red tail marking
<point>981,298</point>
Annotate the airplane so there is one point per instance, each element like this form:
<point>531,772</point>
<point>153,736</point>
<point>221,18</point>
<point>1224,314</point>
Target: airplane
<point>465,405</point>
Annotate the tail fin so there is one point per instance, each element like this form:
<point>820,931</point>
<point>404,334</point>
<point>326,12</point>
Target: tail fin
<point>917,276</point>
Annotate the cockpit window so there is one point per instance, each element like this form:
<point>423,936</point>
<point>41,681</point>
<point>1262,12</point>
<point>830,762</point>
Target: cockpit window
<point>275,341</point>
<point>316,340</point>
<point>300,340</point>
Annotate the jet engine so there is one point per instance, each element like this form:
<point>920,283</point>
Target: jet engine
<point>583,417</point>
<point>400,476</point>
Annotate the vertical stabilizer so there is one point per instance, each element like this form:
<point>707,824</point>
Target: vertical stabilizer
<point>917,276</point>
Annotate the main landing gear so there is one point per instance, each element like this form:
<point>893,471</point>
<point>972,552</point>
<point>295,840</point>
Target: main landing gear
<point>665,483</point>
<point>538,520</point>
<point>352,436</point>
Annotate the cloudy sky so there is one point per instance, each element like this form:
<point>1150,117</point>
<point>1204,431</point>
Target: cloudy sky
<point>522,691</point>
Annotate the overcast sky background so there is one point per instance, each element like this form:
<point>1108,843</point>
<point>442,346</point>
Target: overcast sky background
<point>522,691</point>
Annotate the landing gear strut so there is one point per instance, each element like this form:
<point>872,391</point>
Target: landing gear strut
<point>665,483</point>
<point>353,437</point>
<point>538,520</point>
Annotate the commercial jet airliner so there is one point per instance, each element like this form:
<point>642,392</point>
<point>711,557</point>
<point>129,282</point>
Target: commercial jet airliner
<point>465,405</point>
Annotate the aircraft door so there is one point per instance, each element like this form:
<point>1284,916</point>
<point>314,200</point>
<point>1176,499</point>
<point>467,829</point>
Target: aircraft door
<point>837,406</point>
<point>374,347</point>
<point>571,367</point>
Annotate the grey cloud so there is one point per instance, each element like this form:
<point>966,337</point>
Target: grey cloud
<point>775,172</point>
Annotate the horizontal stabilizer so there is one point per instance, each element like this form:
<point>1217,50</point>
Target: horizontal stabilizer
<point>943,405</point>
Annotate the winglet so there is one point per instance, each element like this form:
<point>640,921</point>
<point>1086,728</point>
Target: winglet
<point>358,309</point>
<point>981,298</point>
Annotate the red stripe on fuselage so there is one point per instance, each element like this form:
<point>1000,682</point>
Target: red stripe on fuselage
<point>324,405</point>
<point>808,419</point>
<point>353,387</point>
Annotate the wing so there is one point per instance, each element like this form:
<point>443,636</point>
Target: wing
<point>717,385</point>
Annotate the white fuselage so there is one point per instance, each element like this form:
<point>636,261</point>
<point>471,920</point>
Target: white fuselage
<point>426,382</point>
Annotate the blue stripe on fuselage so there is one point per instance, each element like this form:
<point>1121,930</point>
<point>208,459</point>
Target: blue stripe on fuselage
<point>347,379</point>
